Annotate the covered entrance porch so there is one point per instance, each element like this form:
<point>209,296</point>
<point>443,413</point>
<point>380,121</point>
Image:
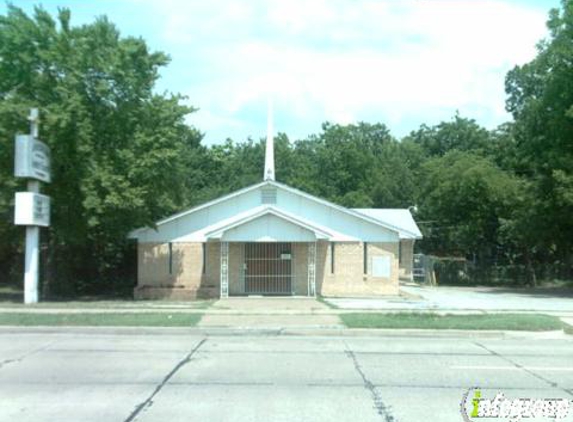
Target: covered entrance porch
<point>268,269</point>
<point>267,252</point>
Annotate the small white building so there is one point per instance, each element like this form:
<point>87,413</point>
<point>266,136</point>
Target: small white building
<point>272,239</point>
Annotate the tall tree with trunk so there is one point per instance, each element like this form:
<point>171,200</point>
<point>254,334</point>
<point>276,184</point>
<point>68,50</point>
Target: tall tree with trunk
<point>120,151</point>
<point>540,97</point>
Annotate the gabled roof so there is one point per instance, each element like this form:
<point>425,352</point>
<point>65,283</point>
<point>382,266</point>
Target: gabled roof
<point>213,202</point>
<point>398,217</point>
<point>133,234</point>
<point>349,211</point>
<point>360,215</point>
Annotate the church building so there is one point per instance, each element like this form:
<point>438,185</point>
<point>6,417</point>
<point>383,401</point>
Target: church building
<point>272,239</point>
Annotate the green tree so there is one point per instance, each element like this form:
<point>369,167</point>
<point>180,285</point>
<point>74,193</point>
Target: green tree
<point>540,97</point>
<point>395,179</point>
<point>461,134</point>
<point>464,199</point>
<point>120,151</point>
<point>338,164</point>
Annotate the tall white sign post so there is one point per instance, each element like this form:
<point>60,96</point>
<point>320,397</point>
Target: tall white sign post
<point>32,161</point>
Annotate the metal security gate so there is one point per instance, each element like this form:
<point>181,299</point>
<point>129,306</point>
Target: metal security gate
<point>268,268</point>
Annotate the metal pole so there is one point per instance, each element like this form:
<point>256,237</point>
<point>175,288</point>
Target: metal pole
<point>31,262</point>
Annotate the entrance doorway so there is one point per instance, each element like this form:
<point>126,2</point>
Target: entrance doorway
<point>268,268</point>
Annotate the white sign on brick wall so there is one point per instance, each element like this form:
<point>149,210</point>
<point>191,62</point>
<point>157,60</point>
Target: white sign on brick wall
<point>381,266</point>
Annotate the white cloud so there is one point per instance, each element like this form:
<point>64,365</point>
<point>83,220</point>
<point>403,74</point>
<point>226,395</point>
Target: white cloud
<point>341,60</point>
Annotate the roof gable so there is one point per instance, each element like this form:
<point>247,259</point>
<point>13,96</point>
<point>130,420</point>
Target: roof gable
<point>339,208</point>
<point>344,224</point>
<point>270,225</point>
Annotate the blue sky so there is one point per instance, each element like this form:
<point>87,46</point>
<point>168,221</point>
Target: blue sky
<point>402,63</point>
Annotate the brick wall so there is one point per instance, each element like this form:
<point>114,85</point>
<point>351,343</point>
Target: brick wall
<point>348,278</point>
<point>189,281</point>
<point>406,259</point>
<point>213,270</point>
<point>299,270</point>
<point>236,260</point>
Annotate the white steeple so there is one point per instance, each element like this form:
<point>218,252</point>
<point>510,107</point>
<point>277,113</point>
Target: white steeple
<point>270,149</point>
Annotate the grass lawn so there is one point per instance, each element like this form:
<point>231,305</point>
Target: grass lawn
<point>147,319</point>
<point>110,304</point>
<point>11,297</point>
<point>523,322</point>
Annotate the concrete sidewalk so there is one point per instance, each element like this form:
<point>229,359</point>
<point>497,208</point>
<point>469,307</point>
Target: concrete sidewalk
<point>306,316</point>
<point>296,305</point>
<point>271,321</point>
<point>279,306</point>
<point>228,306</point>
<point>254,312</point>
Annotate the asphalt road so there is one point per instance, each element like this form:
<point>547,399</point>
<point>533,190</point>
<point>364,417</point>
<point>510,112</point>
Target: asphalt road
<point>99,375</point>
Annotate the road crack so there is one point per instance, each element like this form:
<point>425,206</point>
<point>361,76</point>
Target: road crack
<point>381,408</point>
<point>25,355</point>
<point>147,403</point>
<point>529,371</point>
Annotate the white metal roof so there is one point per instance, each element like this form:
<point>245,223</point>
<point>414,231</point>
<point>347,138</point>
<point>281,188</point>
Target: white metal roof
<point>216,231</point>
<point>202,206</point>
<point>350,212</point>
<point>398,217</point>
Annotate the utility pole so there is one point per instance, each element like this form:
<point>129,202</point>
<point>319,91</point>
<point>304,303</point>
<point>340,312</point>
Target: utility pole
<point>32,161</point>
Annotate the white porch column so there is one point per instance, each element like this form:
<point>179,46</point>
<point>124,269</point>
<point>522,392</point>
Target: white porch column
<point>312,269</point>
<point>224,269</point>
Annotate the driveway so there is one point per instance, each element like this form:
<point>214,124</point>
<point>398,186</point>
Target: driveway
<point>174,375</point>
<point>489,299</point>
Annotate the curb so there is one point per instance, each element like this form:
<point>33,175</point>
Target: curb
<point>563,314</point>
<point>286,331</point>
